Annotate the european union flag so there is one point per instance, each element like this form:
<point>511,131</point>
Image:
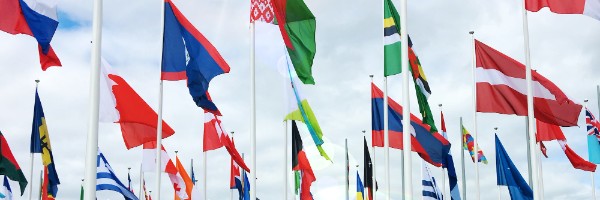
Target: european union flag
<point>508,174</point>
<point>40,143</point>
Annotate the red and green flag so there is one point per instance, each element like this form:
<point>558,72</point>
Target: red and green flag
<point>9,166</point>
<point>304,174</point>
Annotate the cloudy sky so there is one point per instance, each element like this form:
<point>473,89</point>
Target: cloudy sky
<point>564,48</point>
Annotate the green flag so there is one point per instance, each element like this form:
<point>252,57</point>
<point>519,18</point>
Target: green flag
<point>391,38</point>
<point>9,166</point>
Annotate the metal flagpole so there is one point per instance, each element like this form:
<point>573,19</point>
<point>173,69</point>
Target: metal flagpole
<point>499,189</point>
<point>591,173</point>
<point>386,151</point>
<point>530,112</point>
<point>160,107</point>
<point>541,176</point>
<point>475,146</point>
<point>347,181</point>
<point>443,169</point>
<point>37,82</point>
<point>285,161</point>
<point>140,193</point>
<point>374,161</point>
<point>528,150</point>
<point>598,92</point>
<point>407,176</point>
<point>230,190</point>
<point>462,160</point>
<point>253,112</point>
<point>204,173</point>
<point>94,106</point>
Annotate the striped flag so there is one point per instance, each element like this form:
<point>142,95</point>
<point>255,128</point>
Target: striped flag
<point>6,191</point>
<point>430,188</point>
<point>107,180</point>
<point>449,165</point>
<point>391,37</point>
<point>360,189</point>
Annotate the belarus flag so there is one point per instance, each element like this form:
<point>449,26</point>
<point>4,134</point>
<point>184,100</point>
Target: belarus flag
<point>502,88</point>
<point>590,8</point>
<point>119,103</point>
<point>36,18</point>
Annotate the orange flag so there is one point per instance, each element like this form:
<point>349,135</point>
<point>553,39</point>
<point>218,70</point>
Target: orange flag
<point>186,179</point>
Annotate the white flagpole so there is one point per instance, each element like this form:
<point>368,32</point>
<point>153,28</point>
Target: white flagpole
<point>591,173</point>
<point>140,193</point>
<point>541,176</point>
<point>37,82</point>
<point>528,151</point>
<point>230,190</point>
<point>462,160</point>
<point>94,106</point>
<point>499,188</point>
<point>347,171</point>
<point>530,111</point>
<point>285,161</point>
<point>386,140</point>
<point>443,169</point>
<point>204,174</point>
<point>475,146</point>
<point>374,160</point>
<point>159,132</point>
<point>253,113</point>
<point>407,176</point>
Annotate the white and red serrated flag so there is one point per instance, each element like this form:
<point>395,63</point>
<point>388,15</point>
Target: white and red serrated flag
<point>167,166</point>
<point>119,103</point>
<point>214,128</point>
<point>549,132</point>
<point>502,88</point>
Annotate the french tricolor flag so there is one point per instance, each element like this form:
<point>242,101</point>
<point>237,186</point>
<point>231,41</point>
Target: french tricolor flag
<point>36,18</point>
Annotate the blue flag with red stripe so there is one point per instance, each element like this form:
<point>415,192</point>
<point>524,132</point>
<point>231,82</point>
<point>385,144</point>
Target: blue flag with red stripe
<point>187,54</point>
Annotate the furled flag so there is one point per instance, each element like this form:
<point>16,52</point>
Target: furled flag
<point>543,149</point>
<point>432,147</point>
<point>187,54</point>
<point>36,18</point>
<point>368,171</point>
<point>46,187</point>
<point>430,187</point>
<point>146,196</point>
<point>216,137</point>
<point>189,185</point>
<point>235,181</point>
<point>501,89</point>
<point>119,103</point>
<point>106,179</point>
<point>507,174</point>
<point>301,164</point>
<point>468,144</point>
<point>593,128</point>
<point>297,26</point>
<point>40,143</point>
<point>360,189</point>
<point>449,165</point>
<point>246,187</point>
<point>9,166</point>
<point>300,110</point>
<point>167,166</point>
<point>6,191</point>
<point>591,8</point>
<point>549,132</point>
<point>129,182</point>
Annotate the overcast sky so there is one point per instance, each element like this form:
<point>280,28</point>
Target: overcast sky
<point>564,48</point>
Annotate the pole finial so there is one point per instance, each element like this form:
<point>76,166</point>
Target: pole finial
<point>232,132</point>
<point>364,131</point>
<point>471,32</point>
<point>585,100</point>
<point>371,75</point>
<point>440,105</point>
<point>37,80</point>
<point>495,128</point>
<point>176,152</point>
<point>129,168</point>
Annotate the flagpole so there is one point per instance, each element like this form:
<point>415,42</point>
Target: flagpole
<point>528,150</point>
<point>598,93</point>
<point>585,102</point>
<point>253,112</point>
<point>374,161</point>
<point>160,108</point>
<point>129,179</point>
<point>285,161</point>
<point>530,111</point>
<point>462,160</point>
<point>475,146</point>
<point>541,175</point>
<point>347,181</point>
<point>37,82</point>
<point>94,106</point>
<point>443,169</point>
<point>499,189</point>
<point>204,174</point>
<point>386,152</point>
<point>141,183</point>
<point>407,176</point>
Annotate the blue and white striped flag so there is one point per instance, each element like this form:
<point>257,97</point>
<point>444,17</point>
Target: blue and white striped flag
<point>430,188</point>
<point>6,191</point>
<point>107,180</point>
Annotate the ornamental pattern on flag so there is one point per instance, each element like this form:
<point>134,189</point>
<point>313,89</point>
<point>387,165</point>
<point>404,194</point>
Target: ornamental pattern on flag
<point>261,10</point>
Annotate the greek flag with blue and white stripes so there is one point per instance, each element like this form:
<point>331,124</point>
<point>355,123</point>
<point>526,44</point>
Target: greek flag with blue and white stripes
<point>107,180</point>
<point>430,188</point>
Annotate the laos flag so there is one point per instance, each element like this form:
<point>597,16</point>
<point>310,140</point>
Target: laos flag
<point>187,54</point>
<point>37,18</point>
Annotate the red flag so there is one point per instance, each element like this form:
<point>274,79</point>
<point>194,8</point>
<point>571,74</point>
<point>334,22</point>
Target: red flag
<point>119,103</point>
<point>549,132</point>
<point>576,160</point>
<point>543,149</point>
<point>212,127</point>
<point>300,163</point>
<point>590,8</point>
<point>501,88</point>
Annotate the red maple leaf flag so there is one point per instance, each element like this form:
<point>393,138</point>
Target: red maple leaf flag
<point>590,8</point>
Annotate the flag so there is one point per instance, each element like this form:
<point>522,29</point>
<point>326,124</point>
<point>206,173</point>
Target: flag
<point>235,181</point>
<point>81,193</point>
<point>297,26</point>
<point>187,54</point>
<point>449,165</point>
<point>543,149</point>
<point>48,190</point>
<point>507,174</point>
<point>469,145</point>
<point>593,126</point>
<point>40,143</point>
<point>146,196</point>
<point>501,89</point>
<point>246,190</point>
<point>193,176</point>
<point>189,185</point>
<point>391,38</point>
<point>6,191</point>
<point>214,129</point>
<point>300,110</point>
<point>549,132</point>
<point>360,189</point>
<point>430,187</point>
<point>590,8</point>
<point>106,179</point>
<point>301,164</point>
<point>432,147</point>
<point>9,166</point>
<point>119,103</point>
<point>167,166</point>
<point>368,171</point>
<point>36,18</point>
<point>129,182</point>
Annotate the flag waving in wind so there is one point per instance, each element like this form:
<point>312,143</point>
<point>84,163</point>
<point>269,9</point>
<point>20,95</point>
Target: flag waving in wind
<point>593,129</point>
<point>469,145</point>
<point>187,54</point>
<point>301,164</point>
<point>40,143</point>
<point>9,166</point>
<point>549,132</point>
<point>6,191</point>
<point>220,138</point>
<point>106,179</point>
<point>449,165</point>
<point>507,174</point>
<point>590,8</point>
<point>37,18</point>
